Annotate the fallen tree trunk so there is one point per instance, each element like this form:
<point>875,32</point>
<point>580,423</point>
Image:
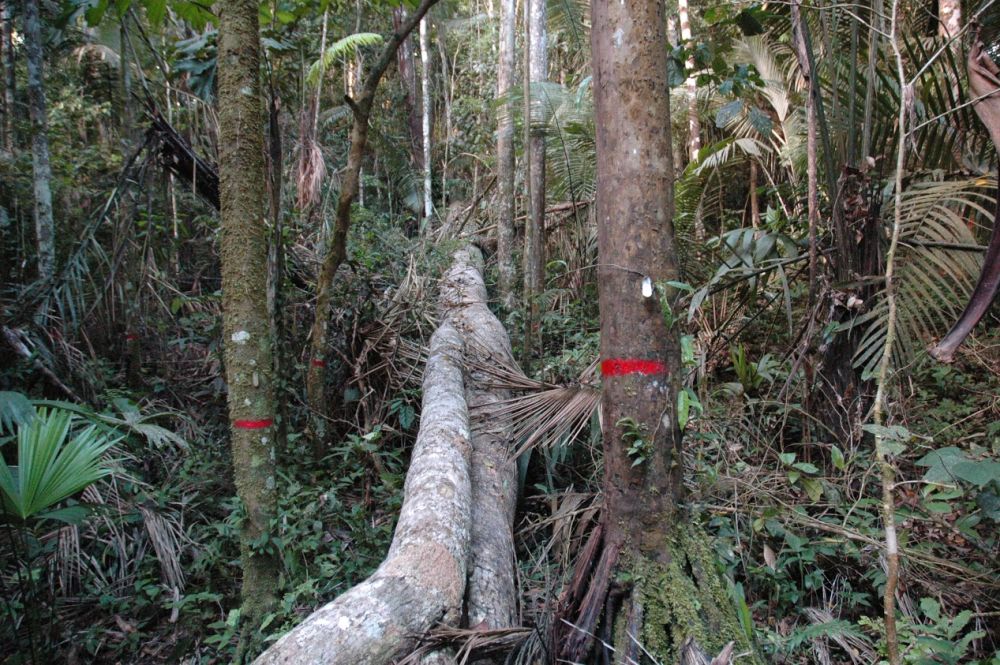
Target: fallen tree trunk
<point>422,580</point>
<point>491,599</point>
<point>452,556</point>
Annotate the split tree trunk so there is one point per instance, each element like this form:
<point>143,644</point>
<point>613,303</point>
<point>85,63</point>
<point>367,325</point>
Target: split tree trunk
<point>44,225</point>
<point>452,554</point>
<point>337,251</point>
<point>506,211</point>
<point>246,333</point>
<point>491,599</point>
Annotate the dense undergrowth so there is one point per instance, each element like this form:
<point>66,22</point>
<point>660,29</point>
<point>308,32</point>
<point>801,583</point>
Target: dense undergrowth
<point>143,566</point>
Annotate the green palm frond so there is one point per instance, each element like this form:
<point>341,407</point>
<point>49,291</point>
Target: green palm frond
<point>938,262</point>
<point>51,467</point>
<point>342,48</point>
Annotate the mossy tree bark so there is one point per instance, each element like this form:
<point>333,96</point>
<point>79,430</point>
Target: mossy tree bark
<point>337,251</point>
<point>647,579</point>
<point>44,225</point>
<point>246,330</point>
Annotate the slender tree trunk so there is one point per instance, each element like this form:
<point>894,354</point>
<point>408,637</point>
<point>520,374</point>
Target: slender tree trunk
<point>337,250</point>
<point>670,590</point>
<point>246,335</point>
<point>9,71</point>
<point>506,211</point>
<point>408,79</point>
<point>534,236</point>
<point>802,54</point>
<point>691,85</point>
<point>425,117</point>
<point>44,225</point>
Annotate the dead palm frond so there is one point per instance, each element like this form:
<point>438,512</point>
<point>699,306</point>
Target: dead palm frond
<point>545,414</point>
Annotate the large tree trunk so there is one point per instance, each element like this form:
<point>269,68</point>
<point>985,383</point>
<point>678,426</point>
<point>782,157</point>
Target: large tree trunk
<point>44,225</point>
<point>674,590</point>
<point>337,251</point>
<point>246,334</point>
<point>452,555</point>
<point>534,235</point>
<point>505,155</point>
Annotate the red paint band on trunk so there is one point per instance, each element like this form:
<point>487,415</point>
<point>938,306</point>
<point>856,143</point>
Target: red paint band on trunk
<point>253,424</point>
<point>316,362</point>
<point>131,337</point>
<point>624,366</point>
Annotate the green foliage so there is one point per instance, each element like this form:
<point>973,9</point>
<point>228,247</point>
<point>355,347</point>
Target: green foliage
<point>52,466</point>
<point>344,47</point>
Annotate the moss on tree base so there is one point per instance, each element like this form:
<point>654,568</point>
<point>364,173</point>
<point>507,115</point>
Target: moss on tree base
<point>684,598</point>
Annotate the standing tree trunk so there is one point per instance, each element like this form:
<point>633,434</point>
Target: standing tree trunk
<point>44,225</point>
<point>691,85</point>
<point>337,250</point>
<point>425,118</point>
<point>505,155</point>
<point>408,79</point>
<point>534,236</point>
<point>672,591</point>
<point>9,64</point>
<point>802,54</point>
<point>245,326</point>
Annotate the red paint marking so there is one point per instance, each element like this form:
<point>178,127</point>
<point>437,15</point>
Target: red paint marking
<point>316,362</point>
<point>623,366</point>
<point>131,337</point>
<point>253,424</point>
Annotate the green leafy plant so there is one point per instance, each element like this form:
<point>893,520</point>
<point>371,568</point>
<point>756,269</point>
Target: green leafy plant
<point>51,466</point>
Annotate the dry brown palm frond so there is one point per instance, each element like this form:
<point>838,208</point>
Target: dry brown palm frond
<point>472,643</point>
<point>165,535</point>
<point>546,413</point>
<point>858,649</point>
<point>312,167</point>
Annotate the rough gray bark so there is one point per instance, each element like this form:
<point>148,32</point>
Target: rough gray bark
<point>491,597</point>
<point>505,155</point>
<point>44,226</point>
<point>422,580</point>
